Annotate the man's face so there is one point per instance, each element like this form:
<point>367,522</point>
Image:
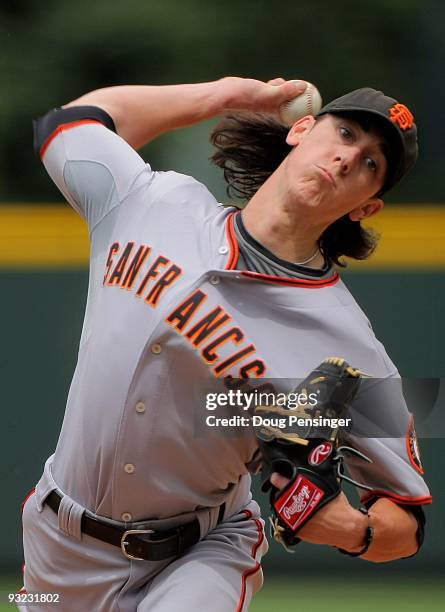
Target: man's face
<point>335,166</point>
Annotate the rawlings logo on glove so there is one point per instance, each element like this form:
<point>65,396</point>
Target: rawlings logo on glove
<point>297,505</point>
<point>320,453</point>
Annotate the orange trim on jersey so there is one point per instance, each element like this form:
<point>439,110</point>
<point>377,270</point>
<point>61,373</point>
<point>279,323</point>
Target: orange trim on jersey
<point>60,129</point>
<point>316,283</point>
<point>294,282</point>
<point>233,243</point>
<point>27,497</point>
<point>410,440</point>
<point>256,567</point>
<point>398,499</point>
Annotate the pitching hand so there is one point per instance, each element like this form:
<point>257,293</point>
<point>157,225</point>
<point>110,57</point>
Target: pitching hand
<point>258,96</point>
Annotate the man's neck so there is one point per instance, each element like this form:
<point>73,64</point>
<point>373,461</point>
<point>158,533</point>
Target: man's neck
<point>289,234</point>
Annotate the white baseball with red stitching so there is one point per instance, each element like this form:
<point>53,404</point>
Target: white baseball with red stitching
<point>307,103</point>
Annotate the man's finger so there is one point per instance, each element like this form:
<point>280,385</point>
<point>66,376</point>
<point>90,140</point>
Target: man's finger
<point>294,88</point>
<point>279,481</point>
<point>287,90</point>
<point>277,81</point>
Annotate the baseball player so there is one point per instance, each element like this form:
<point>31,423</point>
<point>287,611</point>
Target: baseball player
<point>140,508</point>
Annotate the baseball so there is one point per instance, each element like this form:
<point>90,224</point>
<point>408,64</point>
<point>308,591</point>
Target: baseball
<point>307,103</point>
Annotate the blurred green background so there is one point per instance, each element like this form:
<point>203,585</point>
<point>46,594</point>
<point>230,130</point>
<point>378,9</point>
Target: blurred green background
<point>52,52</point>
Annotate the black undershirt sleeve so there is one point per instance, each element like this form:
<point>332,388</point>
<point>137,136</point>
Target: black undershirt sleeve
<point>46,125</point>
<point>421,521</point>
<point>419,515</point>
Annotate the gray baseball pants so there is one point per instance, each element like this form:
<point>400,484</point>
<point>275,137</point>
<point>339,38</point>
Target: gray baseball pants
<point>219,573</point>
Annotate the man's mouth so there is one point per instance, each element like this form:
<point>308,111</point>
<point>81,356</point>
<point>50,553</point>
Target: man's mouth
<point>327,175</point>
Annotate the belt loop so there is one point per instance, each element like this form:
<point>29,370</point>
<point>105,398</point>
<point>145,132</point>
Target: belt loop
<point>70,517</point>
<point>139,544</point>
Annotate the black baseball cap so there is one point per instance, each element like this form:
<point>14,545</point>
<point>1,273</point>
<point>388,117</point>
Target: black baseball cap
<point>396,121</point>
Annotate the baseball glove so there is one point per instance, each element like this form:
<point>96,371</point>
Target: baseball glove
<point>306,449</point>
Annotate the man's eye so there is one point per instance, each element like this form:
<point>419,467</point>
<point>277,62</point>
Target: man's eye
<point>371,164</point>
<point>346,133</point>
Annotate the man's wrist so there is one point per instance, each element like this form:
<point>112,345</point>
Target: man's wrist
<point>225,93</point>
<point>237,94</point>
<point>366,541</point>
<point>210,98</point>
<point>358,528</point>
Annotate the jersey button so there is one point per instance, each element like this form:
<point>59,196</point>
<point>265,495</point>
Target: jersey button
<point>214,280</point>
<point>140,407</point>
<point>223,250</point>
<point>129,468</point>
<point>156,349</point>
<point>126,517</point>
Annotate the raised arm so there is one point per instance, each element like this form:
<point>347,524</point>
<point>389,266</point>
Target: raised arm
<point>140,113</point>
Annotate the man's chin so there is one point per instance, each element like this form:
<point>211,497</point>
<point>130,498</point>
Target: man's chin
<point>310,196</point>
<point>313,187</point>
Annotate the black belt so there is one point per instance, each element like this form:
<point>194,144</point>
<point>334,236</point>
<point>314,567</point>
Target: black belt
<point>139,542</point>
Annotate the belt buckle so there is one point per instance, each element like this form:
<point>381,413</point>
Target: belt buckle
<point>124,543</point>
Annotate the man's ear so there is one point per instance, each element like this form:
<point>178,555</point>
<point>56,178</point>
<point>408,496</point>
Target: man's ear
<point>368,209</point>
<point>299,129</point>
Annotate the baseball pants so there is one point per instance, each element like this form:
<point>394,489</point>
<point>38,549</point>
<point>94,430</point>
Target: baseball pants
<point>221,572</point>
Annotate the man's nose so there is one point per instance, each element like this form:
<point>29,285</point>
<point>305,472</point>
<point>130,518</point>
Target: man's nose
<point>348,159</point>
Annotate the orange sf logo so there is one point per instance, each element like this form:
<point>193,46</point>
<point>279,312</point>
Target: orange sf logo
<point>402,116</point>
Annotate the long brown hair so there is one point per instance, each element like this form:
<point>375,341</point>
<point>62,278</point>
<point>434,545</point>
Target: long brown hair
<point>249,148</point>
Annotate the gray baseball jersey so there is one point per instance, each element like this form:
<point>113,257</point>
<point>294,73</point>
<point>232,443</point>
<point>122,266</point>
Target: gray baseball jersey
<point>170,314</point>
